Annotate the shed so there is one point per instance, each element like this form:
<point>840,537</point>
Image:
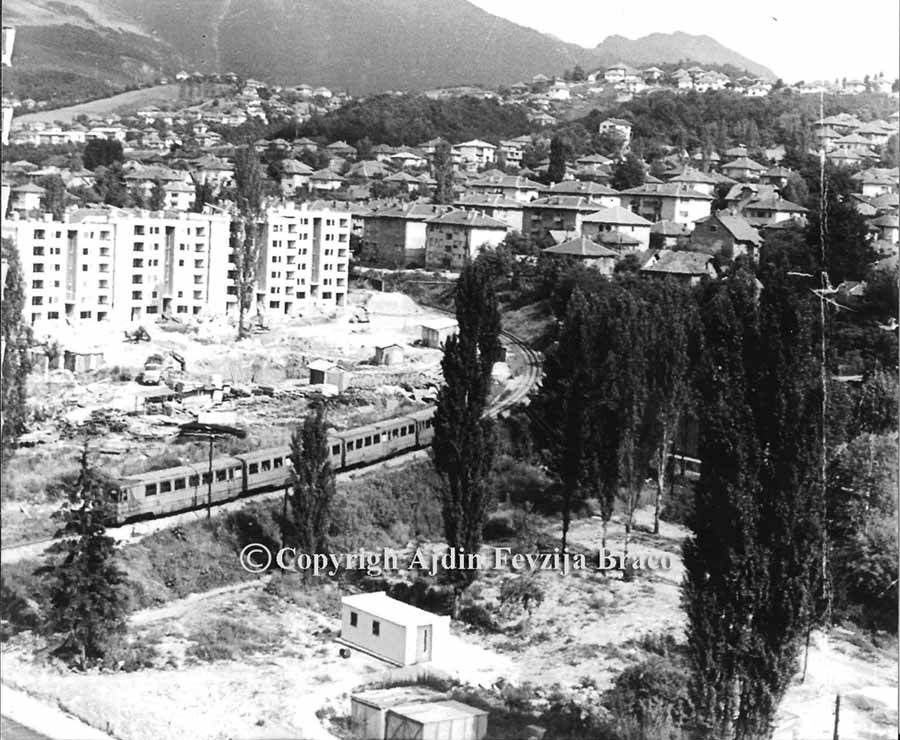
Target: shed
<point>391,354</point>
<point>327,372</point>
<point>82,362</point>
<point>441,720</point>
<point>438,331</point>
<point>368,708</point>
<point>392,630</point>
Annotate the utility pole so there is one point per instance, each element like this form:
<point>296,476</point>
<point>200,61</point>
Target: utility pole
<point>837,715</point>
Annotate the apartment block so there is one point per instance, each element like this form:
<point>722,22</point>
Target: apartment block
<point>119,265</point>
<point>303,262</point>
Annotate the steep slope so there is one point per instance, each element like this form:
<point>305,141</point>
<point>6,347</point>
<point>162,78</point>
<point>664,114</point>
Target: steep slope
<point>659,48</point>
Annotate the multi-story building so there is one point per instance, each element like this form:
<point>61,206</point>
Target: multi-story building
<point>455,238</point>
<point>112,264</point>
<point>395,235</point>
<point>303,262</point>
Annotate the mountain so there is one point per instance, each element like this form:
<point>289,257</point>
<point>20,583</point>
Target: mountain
<point>359,45</point>
<point>661,48</point>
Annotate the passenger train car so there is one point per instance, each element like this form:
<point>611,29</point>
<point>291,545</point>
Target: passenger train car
<point>187,487</point>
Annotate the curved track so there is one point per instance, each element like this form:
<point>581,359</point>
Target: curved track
<point>516,391</point>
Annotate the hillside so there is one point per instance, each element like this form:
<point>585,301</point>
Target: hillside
<point>660,48</point>
<point>103,46</point>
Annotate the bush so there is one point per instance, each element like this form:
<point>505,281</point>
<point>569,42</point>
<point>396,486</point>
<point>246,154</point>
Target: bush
<point>229,639</point>
<point>499,527</point>
<point>650,699</point>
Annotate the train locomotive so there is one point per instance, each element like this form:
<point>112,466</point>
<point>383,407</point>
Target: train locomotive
<point>187,487</point>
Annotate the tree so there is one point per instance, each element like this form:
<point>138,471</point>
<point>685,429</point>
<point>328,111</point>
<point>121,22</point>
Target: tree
<point>556,171</point>
<point>312,483</point>
<point>675,336</point>
<point>754,560</point>
<point>443,174</point>
<point>54,195</point>
<point>464,440</point>
<point>157,196</point>
<point>88,595</point>
<point>102,152</point>
<point>562,415</point>
<point>204,193</point>
<point>247,236</point>
<point>629,173</point>
<point>109,184</point>
<point>16,338</point>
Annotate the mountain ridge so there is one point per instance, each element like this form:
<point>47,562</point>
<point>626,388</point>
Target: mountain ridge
<point>363,46</point>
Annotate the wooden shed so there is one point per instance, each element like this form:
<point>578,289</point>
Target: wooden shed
<point>392,630</point>
<point>327,372</point>
<point>440,720</point>
<point>438,331</point>
<point>368,708</point>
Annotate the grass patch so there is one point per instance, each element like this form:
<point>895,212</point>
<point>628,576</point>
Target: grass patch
<point>230,639</point>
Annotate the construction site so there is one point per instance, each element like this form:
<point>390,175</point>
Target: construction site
<point>125,391</point>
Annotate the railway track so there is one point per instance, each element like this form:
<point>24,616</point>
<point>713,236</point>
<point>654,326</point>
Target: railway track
<point>517,390</point>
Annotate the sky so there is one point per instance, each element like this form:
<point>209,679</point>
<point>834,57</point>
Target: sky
<point>796,39</point>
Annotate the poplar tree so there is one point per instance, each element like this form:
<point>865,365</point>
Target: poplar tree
<point>16,339</point>
<point>675,340</point>
<point>312,483</point>
<point>88,590</point>
<point>247,232</point>
<point>464,439</point>
<point>754,566</point>
<point>443,174</point>
<point>157,200</point>
<point>556,170</point>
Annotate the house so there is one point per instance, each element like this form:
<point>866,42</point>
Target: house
<point>511,152</point>
<point>455,238</point>
<point>667,202</point>
<point>178,196</point>
<point>593,162</point>
<point>688,267</point>
<point>877,182</point>
<point>587,252</point>
<point>776,176</point>
<point>555,213</point>
<point>442,720</point>
<point>27,197</point>
<point>82,361</point>
<point>294,174</point>
<point>390,354</point>
<point>395,234</point>
<point>496,206</point>
<point>601,194</point>
<point>406,159</point>
<point>888,227</point>
<point>341,149</point>
<point>326,180</point>
<point>693,178</point>
<point>620,220</point>
<point>368,708</point>
<point>743,169</point>
<point>621,72</point>
<point>668,234</point>
<point>727,234</point>
<point>325,372</point>
<point>618,127</point>
<point>404,181</point>
<point>475,153</point>
<point>514,187</point>
<point>773,210</point>
<point>437,331</point>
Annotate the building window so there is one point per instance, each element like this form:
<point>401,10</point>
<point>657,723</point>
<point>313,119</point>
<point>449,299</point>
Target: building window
<point>376,627</point>
<point>354,618</point>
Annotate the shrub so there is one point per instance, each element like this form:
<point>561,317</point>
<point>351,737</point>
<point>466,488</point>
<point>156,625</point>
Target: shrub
<point>650,697</point>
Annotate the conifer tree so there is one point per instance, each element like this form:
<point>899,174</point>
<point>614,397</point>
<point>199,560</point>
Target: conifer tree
<point>312,483</point>
<point>157,196</point>
<point>464,440</point>
<point>443,174</point>
<point>247,236</point>
<point>88,591</point>
<point>754,564</point>
<point>556,171</point>
<point>16,338</point>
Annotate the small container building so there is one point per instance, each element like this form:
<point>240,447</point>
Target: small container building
<point>441,720</point>
<point>392,630</point>
<point>368,708</point>
<point>438,331</point>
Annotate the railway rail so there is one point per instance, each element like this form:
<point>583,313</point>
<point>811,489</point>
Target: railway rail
<point>516,391</point>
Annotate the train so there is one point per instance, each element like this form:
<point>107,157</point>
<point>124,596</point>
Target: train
<point>186,487</point>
